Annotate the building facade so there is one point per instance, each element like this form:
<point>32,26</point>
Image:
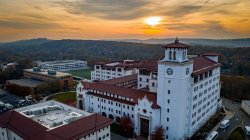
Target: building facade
<point>64,65</point>
<point>63,81</point>
<point>178,93</point>
<point>105,71</point>
<point>53,120</point>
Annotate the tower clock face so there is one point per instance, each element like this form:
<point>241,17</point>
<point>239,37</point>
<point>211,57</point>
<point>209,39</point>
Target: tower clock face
<point>187,71</point>
<point>169,71</point>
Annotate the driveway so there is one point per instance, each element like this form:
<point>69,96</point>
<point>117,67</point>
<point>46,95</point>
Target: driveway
<point>239,118</point>
<point>117,137</point>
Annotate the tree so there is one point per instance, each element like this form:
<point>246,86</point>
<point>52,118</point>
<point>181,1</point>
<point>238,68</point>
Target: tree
<point>158,133</point>
<point>126,126</point>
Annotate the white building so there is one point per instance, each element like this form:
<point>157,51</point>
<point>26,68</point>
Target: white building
<point>64,65</point>
<point>245,105</point>
<point>52,120</point>
<point>178,93</point>
<point>105,71</point>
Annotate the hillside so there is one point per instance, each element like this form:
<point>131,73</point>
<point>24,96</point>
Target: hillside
<point>234,60</point>
<point>244,42</point>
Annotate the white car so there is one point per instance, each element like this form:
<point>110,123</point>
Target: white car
<point>247,130</point>
<point>212,136</point>
<point>224,124</point>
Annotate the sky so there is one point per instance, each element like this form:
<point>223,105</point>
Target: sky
<point>123,19</point>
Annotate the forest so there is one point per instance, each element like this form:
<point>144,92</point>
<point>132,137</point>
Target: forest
<point>235,60</point>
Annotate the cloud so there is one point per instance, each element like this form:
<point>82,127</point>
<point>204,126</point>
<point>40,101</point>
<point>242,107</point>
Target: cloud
<point>34,6</point>
<point>210,28</point>
<point>243,20</point>
<point>183,10</point>
<point>26,25</point>
<point>108,9</point>
<point>132,9</point>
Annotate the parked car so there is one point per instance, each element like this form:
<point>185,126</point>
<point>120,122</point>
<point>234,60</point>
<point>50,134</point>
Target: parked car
<point>247,130</point>
<point>224,124</point>
<point>212,136</point>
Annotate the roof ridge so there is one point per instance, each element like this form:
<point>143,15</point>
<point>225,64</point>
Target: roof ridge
<point>125,88</point>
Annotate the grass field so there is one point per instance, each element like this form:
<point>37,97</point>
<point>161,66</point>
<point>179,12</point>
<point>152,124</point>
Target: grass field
<point>69,96</point>
<point>84,73</point>
<point>237,134</point>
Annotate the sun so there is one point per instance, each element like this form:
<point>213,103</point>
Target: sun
<point>152,21</point>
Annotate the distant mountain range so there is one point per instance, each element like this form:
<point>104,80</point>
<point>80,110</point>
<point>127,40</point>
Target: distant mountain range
<point>242,42</point>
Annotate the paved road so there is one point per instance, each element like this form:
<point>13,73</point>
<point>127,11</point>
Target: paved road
<point>117,137</point>
<point>239,118</point>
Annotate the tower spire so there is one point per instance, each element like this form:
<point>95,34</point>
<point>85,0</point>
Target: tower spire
<point>176,40</point>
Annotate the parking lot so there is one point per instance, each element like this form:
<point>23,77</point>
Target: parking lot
<point>237,118</point>
<point>11,99</point>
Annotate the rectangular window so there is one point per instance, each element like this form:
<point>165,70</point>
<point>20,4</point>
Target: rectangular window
<point>193,123</point>
<point>194,114</point>
<point>200,94</point>
<point>194,106</point>
<point>195,97</point>
<point>199,110</point>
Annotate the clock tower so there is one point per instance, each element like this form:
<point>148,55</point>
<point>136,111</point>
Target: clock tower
<point>174,89</point>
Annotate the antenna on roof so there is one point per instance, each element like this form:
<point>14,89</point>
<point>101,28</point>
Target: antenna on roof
<point>176,40</point>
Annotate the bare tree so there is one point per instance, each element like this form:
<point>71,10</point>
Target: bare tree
<point>158,133</point>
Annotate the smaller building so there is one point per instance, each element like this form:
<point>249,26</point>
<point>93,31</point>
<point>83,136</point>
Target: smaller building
<point>63,65</point>
<point>63,81</point>
<point>25,86</point>
<point>106,71</point>
<point>245,105</point>
<point>5,66</point>
<point>52,120</point>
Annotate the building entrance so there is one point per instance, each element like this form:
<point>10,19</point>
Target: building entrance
<point>144,126</point>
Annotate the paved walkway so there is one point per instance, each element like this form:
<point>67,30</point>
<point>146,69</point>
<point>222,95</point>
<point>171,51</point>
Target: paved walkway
<point>228,116</point>
<point>117,137</point>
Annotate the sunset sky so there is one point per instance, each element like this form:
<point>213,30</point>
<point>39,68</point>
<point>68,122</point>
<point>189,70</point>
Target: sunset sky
<point>123,19</point>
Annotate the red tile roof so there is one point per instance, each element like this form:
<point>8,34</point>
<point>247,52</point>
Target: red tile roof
<point>82,127</point>
<point>28,129</point>
<point>150,65</point>
<point>202,64</point>
<point>24,127</point>
<point>176,44</point>
<point>119,80</point>
<point>211,54</point>
<point>123,64</point>
<point>121,91</point>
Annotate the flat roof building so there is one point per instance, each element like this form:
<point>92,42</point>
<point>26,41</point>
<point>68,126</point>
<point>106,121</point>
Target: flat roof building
<point>52,120</point>
<point>63,80</point>
<point>63,65</point>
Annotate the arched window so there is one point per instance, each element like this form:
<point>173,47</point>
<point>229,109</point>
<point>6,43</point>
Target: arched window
<point>174,57</point>
<point>183,55</point>
<point>81,105</point>
<point>170,55</point>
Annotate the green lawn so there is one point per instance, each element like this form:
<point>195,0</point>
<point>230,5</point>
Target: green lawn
<point>237,134</point>
<point>84,73</point>
<point>64,96</point>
